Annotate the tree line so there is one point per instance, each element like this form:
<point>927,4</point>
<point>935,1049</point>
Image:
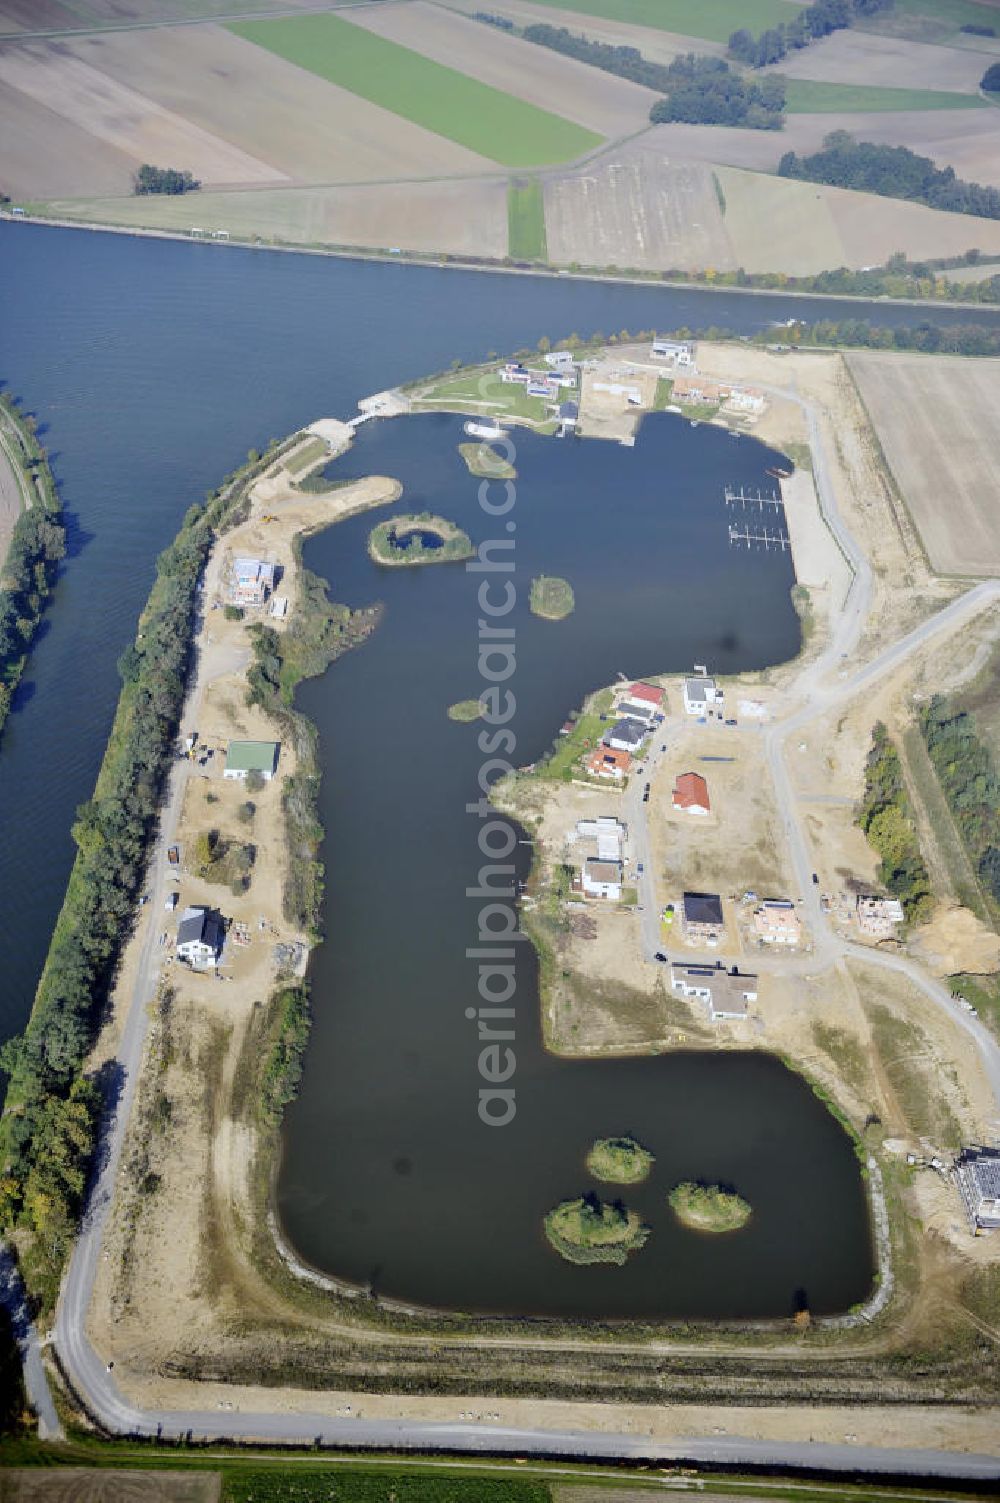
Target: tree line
<point>37,544</point>
<point>892,172</point>
<point>151,179</point>
<point>706,91</point>
<point>815,21</point>
<point>49,1127</point>
<point>697,89</point>
<point>970,782</point>
<point>886,817</point>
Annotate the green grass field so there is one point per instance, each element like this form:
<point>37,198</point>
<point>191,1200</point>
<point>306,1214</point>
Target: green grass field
<point>711,20</point>
<point>526,222</point>
<point>486,120</point>
<point>805,96</point>
<point>955,13</point>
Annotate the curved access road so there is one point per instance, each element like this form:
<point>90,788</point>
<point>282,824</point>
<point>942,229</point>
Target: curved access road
<point>94,1382</point>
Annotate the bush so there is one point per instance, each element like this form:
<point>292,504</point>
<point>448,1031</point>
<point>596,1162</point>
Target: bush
<point>892,172</point>
<point>887,820</point>
<point>705,90</point>
<point>233,612</point>
<point>163,180</point>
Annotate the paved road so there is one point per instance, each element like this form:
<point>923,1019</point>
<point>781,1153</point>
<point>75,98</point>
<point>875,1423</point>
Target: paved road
<point>36,1384</point>
<point>95,1383</point>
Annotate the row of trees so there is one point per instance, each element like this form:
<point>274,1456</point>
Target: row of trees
<point>49,1127</point>
<point>887,820</point>
<point>626,62</point>
<point>37,544</point>
<point>893,172</point>
<point>705,91</point>
<point>816,20</point>
<point>970,782</point>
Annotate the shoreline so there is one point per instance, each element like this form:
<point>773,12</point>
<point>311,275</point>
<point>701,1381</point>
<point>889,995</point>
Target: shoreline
<point>456,262</point>
<point>372,1331</point>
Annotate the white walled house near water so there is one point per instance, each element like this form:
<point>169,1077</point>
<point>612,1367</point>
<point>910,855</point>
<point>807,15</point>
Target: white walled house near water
<point>245,757</point>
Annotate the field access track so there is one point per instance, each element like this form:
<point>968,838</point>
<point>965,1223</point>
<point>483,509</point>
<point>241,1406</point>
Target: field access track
<point>484,119</point>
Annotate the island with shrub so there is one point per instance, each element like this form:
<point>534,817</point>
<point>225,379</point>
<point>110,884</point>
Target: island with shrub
<point>619,1161</point>
<point>551,598</point>
<point>708,1208</point>
<point>484,461</point>
<point>589,1230</point>
<point>419,539</point>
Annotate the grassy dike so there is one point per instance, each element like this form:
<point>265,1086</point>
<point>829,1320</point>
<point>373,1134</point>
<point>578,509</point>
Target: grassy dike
<point>37,544</point>
<point>49,1127</point>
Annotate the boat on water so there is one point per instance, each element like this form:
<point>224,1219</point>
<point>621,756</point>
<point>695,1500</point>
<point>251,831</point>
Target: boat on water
<point>483,430</point>
<point>778,474</point>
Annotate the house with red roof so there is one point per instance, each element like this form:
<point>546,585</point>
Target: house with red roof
<point>691,794</point>
<point>646,694</point>
<point>609,762</point>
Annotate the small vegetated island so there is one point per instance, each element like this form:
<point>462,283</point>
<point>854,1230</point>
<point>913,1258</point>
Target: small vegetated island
<point>619,1161</point>
<point>708,1208</point>
<point>484,461</point>
<point>589,1230</point>
<point>423,539</point>
<point>465,709</point>
<point>551,597</point>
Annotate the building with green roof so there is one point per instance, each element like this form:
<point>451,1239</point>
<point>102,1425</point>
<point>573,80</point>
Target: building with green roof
<point>243,757</point>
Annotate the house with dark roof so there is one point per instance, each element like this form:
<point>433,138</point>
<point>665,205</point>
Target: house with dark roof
<point>703,918</point>
<point>627,735</point>
<point>200,937</point>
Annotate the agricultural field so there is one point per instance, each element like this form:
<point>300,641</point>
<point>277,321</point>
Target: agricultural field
<point>416,88</point>
<point>638,210</point>
<point>656,45</point>
<point>809,96</point>
<point>79,98</point>
<point>526,222</point>
<point>938,21</point>
<point>938,421</point>
<point>885,62</point>
<point>68,15</point>
<point>465,218</point>
<point>779,224</point>
<point>967,140</point>
<point>714,21</point>
<point>599,102</point>
<point>308,129</point>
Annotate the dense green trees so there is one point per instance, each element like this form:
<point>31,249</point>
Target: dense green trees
<point>893,172</point>
<point>705,91</point>
<point>817,20</point>
<point>887,820</point>
<point>971,784</point>
<point>163,180</point>
<point>626,62</point>
<point>37,544</point>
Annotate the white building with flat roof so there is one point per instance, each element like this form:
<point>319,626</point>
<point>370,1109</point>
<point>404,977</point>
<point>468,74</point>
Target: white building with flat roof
<point>699,693</point>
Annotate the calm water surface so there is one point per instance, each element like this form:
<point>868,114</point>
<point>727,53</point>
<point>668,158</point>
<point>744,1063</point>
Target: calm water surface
<point>154,367</point>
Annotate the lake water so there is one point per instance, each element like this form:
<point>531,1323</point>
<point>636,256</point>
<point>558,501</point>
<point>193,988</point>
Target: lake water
<point>154,367</point>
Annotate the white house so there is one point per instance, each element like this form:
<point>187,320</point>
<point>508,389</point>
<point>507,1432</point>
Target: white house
<point>678,352</point>
<point>200,937</point>
<point>602,879</point>
<point>561,360</point>
<point>699,693</point>
<point>727,993</point>
<point>243,757</point>
<point>627,735</point>
<point>252,581</point>
<point>608,832</point>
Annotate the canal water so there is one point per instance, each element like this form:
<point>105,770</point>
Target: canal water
<point>153,368</point>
